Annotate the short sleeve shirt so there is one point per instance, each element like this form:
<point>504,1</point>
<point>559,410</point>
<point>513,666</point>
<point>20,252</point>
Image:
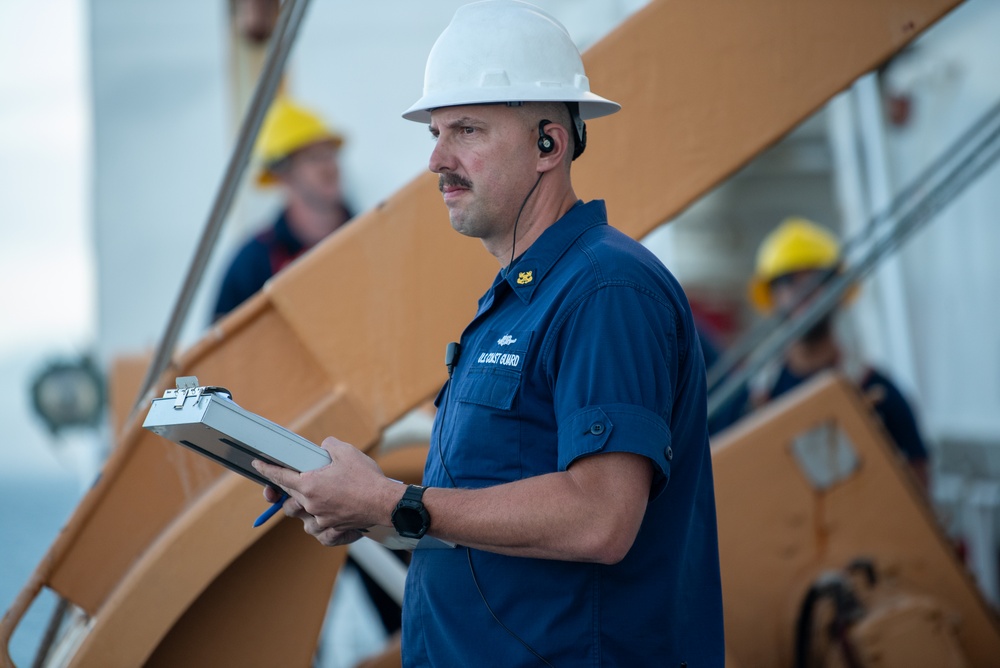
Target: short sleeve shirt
<point>584,346</point>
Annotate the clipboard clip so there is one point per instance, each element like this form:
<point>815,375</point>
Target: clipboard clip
<point>187,386</point>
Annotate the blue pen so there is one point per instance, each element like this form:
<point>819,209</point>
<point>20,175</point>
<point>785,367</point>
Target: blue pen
<point>267,514</point>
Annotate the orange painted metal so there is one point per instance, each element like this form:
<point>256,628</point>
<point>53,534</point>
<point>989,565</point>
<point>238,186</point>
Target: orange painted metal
<point>124,380</point>
<point>175,605</point>
<point>778,533</point>
<point>352,336</point>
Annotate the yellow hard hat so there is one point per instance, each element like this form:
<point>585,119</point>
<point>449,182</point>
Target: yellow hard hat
<point>286,129</point>
<point>795,245</point>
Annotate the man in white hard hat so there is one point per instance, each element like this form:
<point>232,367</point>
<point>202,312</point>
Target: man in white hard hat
<point>569,459</point>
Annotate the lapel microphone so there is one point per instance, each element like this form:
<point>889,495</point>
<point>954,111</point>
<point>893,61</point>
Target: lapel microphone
<point>451,355</point>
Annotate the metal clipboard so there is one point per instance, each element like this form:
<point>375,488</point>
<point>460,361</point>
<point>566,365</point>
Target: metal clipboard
<point>208,421</point>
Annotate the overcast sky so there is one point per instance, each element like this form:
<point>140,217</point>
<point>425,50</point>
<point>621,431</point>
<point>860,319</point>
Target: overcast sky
<point>46,294</point>
<point>44,122</point>
<point>45,253</point>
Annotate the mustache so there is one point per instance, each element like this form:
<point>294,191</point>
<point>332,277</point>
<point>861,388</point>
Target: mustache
<point>450,179</point>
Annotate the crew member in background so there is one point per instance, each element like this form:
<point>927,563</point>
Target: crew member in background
<point>795,258</point>
<point>569,458</point>
<point>298,153</point>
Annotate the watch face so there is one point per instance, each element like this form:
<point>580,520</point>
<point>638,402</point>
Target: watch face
<point>408,521</point>
<point>410,518</point>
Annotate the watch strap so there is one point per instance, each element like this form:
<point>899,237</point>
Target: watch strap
<point>414,493</point>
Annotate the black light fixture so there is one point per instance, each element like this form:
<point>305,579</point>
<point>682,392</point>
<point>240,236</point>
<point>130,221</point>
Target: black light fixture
<point>69,394</point>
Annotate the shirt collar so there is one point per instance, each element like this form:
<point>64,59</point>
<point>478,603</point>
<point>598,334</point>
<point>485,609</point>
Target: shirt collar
<point>530,269</point>
<point>284,235</point>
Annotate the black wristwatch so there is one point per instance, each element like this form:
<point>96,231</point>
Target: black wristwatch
<point>410,518</point>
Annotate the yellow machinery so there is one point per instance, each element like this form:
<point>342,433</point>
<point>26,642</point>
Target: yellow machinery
<point>161,561</point>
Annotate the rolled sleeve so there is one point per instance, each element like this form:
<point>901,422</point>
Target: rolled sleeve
<point>616,367</point>
<point>617,428</point>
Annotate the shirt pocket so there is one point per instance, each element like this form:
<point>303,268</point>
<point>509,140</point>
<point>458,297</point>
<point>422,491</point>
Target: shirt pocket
<point>491,389</point>
<point>495,372</point>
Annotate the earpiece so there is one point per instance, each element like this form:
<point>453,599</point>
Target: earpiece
<point>545,142</point>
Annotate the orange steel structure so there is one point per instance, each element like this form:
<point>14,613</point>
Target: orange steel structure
<point>160,554</point>
<point>780,532</point>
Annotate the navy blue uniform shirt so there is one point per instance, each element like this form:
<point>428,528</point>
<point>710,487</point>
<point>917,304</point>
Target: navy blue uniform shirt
<point>585,346</point>
<point>259,259</point>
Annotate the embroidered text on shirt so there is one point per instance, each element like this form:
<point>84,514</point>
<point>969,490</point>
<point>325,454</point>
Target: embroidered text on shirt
<point>499,358</point>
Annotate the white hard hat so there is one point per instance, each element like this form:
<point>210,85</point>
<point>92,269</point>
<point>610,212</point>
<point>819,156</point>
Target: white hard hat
<point>505,51</point>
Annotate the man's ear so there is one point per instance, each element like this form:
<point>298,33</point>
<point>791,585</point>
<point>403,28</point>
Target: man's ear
<point>561,144</point>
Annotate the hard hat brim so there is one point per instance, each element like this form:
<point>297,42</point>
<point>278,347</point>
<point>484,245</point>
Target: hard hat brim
<point>265,178</point>
<point>591,105</point>
<point>759,293</point>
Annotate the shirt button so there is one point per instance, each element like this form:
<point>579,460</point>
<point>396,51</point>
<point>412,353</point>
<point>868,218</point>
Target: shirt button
<point>668,453</point>
<point>597,429</point>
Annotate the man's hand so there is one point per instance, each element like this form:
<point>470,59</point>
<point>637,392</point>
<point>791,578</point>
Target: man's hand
<point>339,501</point>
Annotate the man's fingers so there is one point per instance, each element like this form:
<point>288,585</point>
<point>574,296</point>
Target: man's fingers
<point>293,508</point>
<point>280,476</point>
<point>330,443</point>
<point>333,538</point>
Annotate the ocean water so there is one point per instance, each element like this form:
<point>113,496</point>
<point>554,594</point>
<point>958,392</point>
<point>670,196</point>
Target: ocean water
<point>36,507</point>
<point>41,482</point>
